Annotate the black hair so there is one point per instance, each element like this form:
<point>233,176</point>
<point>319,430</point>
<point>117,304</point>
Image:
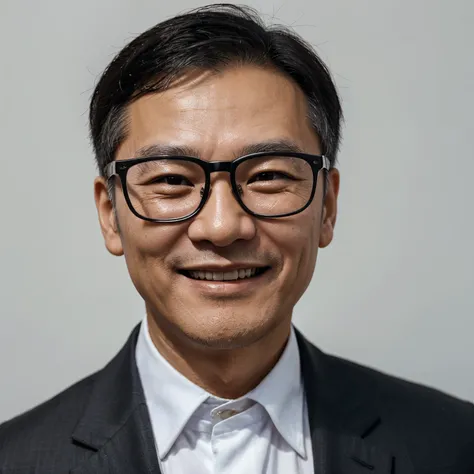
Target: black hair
<point>209,38</point>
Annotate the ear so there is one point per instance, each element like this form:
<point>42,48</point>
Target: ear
<point>107,218</point>
<point>329,211</point>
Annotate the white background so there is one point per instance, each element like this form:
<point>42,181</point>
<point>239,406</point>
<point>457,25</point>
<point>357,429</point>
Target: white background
<point>394,290</point>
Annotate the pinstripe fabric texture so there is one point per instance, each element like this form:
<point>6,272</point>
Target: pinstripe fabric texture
<point>361,421</point>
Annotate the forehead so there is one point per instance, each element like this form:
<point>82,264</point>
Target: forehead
<point>219,113</point>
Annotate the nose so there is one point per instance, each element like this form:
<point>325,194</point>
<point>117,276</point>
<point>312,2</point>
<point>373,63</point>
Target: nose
<point>222,220</point>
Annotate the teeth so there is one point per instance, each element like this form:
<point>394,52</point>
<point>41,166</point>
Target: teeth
<point>231,275</point>
<point>224,276</point>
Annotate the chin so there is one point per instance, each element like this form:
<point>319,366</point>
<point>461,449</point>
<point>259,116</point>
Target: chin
<point>227,337</point>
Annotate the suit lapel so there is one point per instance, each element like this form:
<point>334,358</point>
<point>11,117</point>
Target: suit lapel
<point>348,432</point>
<point>130,450</point>
<point>115,425</point>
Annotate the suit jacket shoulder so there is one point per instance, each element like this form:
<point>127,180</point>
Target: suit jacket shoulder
<point>406,400</point>
<point>437,429</point>
<point>69,430</point>
<point>44,426</point>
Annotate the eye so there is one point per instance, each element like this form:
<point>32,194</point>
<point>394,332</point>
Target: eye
<point>172,180</point>
<point>269,176</point>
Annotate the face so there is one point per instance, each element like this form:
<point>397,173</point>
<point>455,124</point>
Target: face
<point>219,115</point>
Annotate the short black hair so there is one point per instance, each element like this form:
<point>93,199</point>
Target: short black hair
<point>209,38</point>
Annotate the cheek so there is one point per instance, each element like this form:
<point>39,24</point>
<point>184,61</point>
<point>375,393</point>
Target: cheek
<point>145,252</point>
<point>146,247</point>
<point>300,243</point>
<point>297,241</point>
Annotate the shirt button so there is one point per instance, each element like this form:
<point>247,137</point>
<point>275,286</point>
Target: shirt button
<point>224,414</point>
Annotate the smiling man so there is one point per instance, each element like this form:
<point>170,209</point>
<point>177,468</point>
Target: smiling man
<point>216,140</point>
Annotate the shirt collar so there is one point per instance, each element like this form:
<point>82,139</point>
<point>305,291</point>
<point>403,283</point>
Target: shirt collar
<point>281,394</point>
<point>172,398</point>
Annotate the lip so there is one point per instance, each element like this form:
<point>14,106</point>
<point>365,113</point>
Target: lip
<point>240,287</point>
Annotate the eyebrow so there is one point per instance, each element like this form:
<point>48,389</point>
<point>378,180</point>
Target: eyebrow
<point>283,145</point>
<point>161,149</point>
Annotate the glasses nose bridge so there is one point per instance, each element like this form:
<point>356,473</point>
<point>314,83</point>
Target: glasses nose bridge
<point>217,166</point>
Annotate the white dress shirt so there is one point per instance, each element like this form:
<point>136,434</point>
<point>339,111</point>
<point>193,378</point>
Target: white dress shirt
<point>265,431</point>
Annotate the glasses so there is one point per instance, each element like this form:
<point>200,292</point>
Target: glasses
<point>175,188</point>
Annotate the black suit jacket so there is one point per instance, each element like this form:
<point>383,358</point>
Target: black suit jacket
<point>362,422</point>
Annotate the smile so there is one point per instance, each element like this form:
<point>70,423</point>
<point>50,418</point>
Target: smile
<point>232,275</point>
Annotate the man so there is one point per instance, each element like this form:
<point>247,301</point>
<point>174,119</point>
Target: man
<point>216,140</point>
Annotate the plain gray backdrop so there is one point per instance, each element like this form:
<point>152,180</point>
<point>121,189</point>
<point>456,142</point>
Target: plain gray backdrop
<point>393,291</point>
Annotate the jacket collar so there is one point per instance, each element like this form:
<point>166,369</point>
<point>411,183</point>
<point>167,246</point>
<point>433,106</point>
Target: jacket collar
<point>349,435</point>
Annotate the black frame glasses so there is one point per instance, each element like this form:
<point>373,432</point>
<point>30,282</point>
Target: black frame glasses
<point>120,168</point>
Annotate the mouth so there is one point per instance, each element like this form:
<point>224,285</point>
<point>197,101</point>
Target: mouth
<point>228,276</point>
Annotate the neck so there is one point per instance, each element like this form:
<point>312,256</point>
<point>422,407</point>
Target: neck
<point>225,373</point>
